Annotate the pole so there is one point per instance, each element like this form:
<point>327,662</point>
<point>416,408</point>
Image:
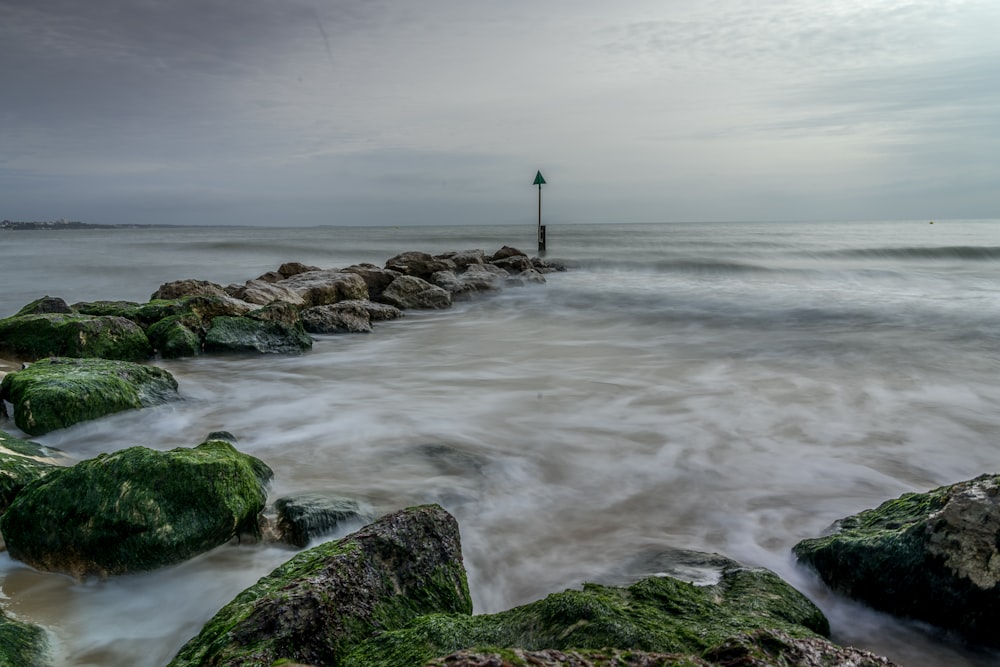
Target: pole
<point>541,228</point>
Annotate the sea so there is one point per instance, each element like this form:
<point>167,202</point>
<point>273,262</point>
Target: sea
<point>724,387</point>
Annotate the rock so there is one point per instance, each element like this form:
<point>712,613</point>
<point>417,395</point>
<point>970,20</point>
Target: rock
<point>517,657</point>
<point>505,252</point>
<point>179,288</point>
<point>195,310</point>
<point>513,264</point>
<point>22,644</point>
<point>765,648</point>
<point>418,264</point>
<point>271,277</point>
<point>377,312</point>
<point>659,614</point>
<point>337,318</point>
<point>307,516</point>
<point>58,392</point>
<point>262,293</point>
<point>172,338</point>
<point>323,602</point>
<point>277,311</point>
<point>47,304</point>
<point>547,265</point>
<point>289,269</point>
<point>21,462</point>
<point>377,279</point>
<point>466,258</point>
<point>412,292</point>
<point>245,334</point>
<point>31,337</point>
<point>529,276</point>
<point>319,288</point>
<point>137,509</point>
<point>474,280</point>
<point>928,556</point>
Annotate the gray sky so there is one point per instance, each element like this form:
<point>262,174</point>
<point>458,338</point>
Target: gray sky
<point>304,112</point>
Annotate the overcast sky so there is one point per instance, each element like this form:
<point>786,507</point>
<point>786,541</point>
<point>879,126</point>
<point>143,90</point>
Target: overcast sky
<point>305,112</point>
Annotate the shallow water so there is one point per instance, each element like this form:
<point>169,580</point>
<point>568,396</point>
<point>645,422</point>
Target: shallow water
<point>728,387</point>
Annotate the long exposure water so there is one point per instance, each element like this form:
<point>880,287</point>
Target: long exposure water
<point>731,388</point>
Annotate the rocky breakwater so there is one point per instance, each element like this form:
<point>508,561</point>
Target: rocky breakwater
<point>931,556</point>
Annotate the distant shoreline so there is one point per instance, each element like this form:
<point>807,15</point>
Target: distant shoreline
<point>58,225</point>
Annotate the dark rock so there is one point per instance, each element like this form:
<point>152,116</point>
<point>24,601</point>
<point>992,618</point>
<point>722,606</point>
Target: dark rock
<point>31,337</point>
<point>277,311</point>
<point>323,602</point>
<point>418,264</point>
<point>244,334</point>
<point>343,317</point>
<point>307,516</point>
<point>765,648</point>
<point>271,277</point>
<point>261,293</point>
<point>179,288</point>
<point>929,556</point>
<point>21,462</point>
<point>547,265</point>
<point>505,252</point>
<point>412,292</point>
<point>22,644</point>
<point>289,269</point>
<point>517,657</point>
<point>137,509</point>
<point>376,278</point>
<point>465,258</point>
<point>530,276</point>
<point>58,392</point>
<point>514,264</point>
<point>474,280</point>
<point>47,304</point>
<point>319,288</point>
<point>173,339</point>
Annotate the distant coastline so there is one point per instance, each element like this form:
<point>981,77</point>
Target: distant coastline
<point>55,225</point>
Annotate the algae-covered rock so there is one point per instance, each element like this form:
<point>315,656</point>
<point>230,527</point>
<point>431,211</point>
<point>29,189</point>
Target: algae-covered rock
<point>22,644</point>
<point>46,304</point>
<point>930,556</point>
<point>326,600</point>
<point>517,657</point>
<point>765,648</point>
<point>55,393</point>
<point>21,462</point>
<point>172,338</point>
<point>412,292</point>
<point>659,614</point>
<point>245,334</point>
<point>307,516</point>
<point>136,509</point>
<point>31,337</point>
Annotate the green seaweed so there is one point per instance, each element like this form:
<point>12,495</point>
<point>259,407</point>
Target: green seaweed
<point>22,644</point>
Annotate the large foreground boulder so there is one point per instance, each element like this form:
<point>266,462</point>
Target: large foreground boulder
<point>40,335</point>
<point>930,556</point>
<point>319,605</point>
<point>55,393</point>
<point>136,509</point>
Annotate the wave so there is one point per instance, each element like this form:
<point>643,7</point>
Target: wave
<point>980,253</point>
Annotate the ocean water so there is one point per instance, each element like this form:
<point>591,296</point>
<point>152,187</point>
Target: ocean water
<point>726,387</point>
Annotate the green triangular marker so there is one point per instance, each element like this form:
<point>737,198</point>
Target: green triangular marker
<point>538,179</point>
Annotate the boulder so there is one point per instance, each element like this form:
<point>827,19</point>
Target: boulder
<point>505,252</point>
<point>277,311</point>
<point>172,338</point>
<point>343,317</point>
<point>179,288</point>
<point>318,606</point>
<point>305,517</point>
<point>513,264</point>
<point>412,292</point>
<point>261,292</point>
<point>547,265</point>
<point>418,264</point>
<point>197,310</point>
<point>136,509</point>
<point>23,644</point>
<point>375,278</point>
<point>246,334</point>
<point>47,304</point>
<point>58,392</point>
<point>518,657</point>
<point>289,269</point>
<point>31,337</point>
<point>466,258</point>
<point>474,280</point>
<point>319,288</point>
<point>525,277</point>
<point>658,614</point>
<point>764,648</point>
<point>929,556</point>
<point>21,462</point>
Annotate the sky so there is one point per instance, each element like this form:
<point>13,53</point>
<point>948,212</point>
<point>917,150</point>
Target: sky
<point>396,112</point>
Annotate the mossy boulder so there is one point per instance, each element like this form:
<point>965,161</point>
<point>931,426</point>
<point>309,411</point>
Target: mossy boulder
<point>323,602</point>
<point>21,462</point>
<point>22,644</point>
<point>246,334</point>
<point>55,393</point>
<point>659,614</point>
<point>305,517</point>
<point>173,338</point>
<point>46,304</point>
<point>517,657</point>
<point>32,337</point>
<point>137,509</point>
<point>930,556</point>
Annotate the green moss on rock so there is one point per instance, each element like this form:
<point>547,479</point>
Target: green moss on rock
<point>323,602</point>
<point>55,393</point>
<point>245,334</point>
<point>22,644</point>
<point>172,337</point>
<point>136,509</point>
<point>31,337</point>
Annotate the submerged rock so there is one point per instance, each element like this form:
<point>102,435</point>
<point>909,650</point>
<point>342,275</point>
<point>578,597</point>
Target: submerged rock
<point>33,337</point>
<point>412,292</point>
<point>928,556</point>
<point>308,516</point>
<point>55,393</point>
<point>136,509</point>
<point>21,462</point>
<point>323,602</point>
